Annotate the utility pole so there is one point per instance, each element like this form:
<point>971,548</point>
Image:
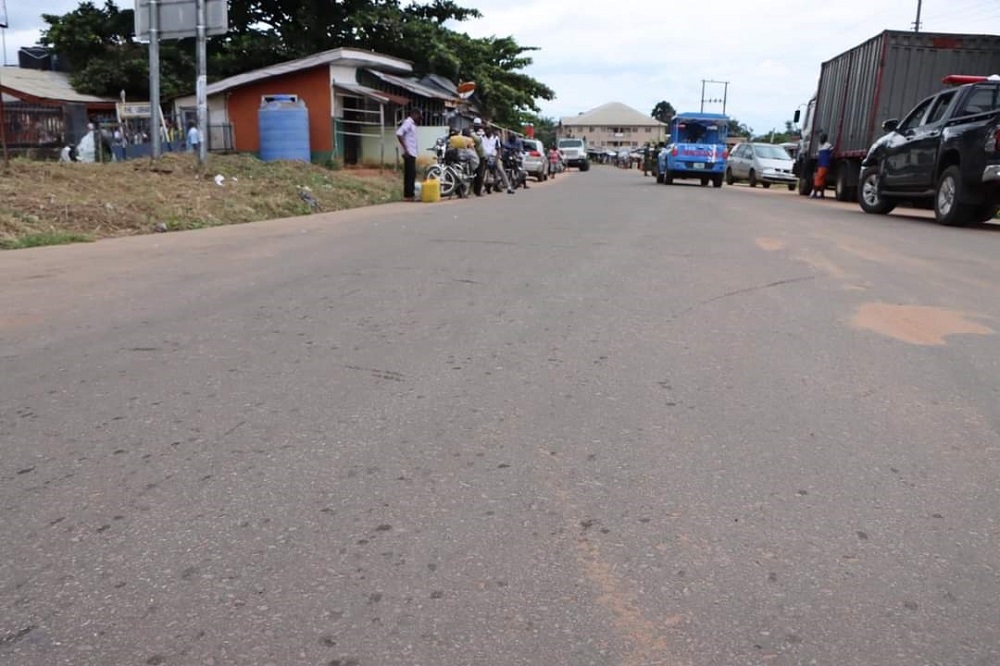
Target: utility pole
<point>154,77</point>
<point>916,24</point>
<point>202,81</point>
<point>723,100</point>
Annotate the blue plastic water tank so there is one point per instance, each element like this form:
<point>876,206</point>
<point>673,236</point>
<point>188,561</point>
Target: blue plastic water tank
<point>284,128</point>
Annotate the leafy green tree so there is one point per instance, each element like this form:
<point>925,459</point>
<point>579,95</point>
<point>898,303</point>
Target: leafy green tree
<point>98,43</point>
<point>664,111</point>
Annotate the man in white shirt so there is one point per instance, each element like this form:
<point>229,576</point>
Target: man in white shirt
<point>494,161</point>
<point>193,137</point>
<point>407,137</point>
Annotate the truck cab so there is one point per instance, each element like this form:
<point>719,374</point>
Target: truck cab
<point>697,149</point>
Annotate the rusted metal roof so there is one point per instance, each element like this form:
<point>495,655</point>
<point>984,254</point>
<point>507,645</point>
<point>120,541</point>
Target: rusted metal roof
<point>42,86</point>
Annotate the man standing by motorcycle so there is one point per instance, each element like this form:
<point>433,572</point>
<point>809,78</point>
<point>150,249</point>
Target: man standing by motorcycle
<point>494,164</point>
<point>477,138</point>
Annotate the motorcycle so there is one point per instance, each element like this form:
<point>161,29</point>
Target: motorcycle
<point>513,164</point>
<point>454,174</point>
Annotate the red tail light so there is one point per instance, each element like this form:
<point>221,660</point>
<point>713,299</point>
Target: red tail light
<point>725,154</point>
<point>673,151</point>
<point>535,153</point>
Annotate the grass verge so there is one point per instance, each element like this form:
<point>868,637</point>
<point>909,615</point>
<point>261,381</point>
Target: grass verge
<point>48,203</point>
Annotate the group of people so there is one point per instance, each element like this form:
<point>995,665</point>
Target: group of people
<point>481,145</point>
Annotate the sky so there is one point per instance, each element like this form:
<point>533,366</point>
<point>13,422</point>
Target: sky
<point>639,52</point>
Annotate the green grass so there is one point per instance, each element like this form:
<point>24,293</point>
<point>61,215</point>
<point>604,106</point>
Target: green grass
<point>44,238</point>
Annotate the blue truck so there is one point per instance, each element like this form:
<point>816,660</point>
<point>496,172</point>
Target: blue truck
<point>697,149</point>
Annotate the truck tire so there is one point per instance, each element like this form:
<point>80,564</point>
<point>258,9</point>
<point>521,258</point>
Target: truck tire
<point>843,191</point>
<point>716,181</point>
<point>871,200</point>
<point>659,178</point>
<point>704,182</point>
<point>791,187</point>
<point>805,186</point>
<point>752,178</point>
<point>766,186</point>
<point>948,207</point>
<point>985,213</point>
<point>668,178</point>
<point>729,176</point>
<point>585,166</point>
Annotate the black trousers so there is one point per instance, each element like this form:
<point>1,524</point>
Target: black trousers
<point>477,184</point>
<point>409,175</point>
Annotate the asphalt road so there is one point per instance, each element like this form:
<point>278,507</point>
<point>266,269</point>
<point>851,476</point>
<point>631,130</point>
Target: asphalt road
<point>602,422</point>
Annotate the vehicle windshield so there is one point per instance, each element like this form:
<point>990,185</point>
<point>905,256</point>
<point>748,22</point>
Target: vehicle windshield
<point>570,143</point>
<point>771,152</point>
<point>700,131</point>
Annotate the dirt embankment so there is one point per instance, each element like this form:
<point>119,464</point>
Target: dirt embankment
<point>44,203</point>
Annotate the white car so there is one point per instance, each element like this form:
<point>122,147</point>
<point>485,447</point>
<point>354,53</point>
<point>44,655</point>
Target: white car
<point>763,163</point>
<point>536,162</point>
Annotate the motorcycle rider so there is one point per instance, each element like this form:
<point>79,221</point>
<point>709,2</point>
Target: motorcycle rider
<point>494,164</point>
<point>514,145</point>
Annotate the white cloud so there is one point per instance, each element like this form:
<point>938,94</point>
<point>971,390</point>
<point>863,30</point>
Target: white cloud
<point>641,51</point>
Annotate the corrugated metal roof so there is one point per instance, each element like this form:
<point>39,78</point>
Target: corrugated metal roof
<point>613,114</point>
<point>413,86</point>
<point>377,95</point>
<point>38,85</point>
<point>355,57</point>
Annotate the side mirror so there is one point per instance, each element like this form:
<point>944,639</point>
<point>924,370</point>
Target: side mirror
<point>890,125</point>
<point>795,118</point>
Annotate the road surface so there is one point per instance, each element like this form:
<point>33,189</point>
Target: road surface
<point>601,422</point>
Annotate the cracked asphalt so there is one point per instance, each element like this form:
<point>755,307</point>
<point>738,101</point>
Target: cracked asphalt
<point>601,422</point>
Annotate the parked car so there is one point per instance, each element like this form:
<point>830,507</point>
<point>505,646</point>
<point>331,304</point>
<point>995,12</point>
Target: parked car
<point>574,152</point>
<point>944,154</point>
<point>536,160</point>
<point>764,163</point>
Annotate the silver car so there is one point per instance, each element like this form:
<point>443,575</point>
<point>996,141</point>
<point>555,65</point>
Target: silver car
<point>764,163</point>
<point>536,160</point>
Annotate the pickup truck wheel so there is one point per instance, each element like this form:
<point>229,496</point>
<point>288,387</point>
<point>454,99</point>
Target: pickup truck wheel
<point>948,207</point>
<point>716,181</point>
<point>585,166</point>
<point>871,200</point>
<point>791,187</point>
<point>752,178</point>
<point>766,186</point>
<point>729,176</point>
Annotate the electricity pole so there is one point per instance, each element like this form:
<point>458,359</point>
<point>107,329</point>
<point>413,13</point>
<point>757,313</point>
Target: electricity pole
<point>916,24</point>
<point>723,100</point>
<point>200,91</point>
<point>154,78</point>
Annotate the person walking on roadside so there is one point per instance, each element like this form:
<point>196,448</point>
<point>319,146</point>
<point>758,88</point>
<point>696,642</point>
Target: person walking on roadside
<point>477,139</point>
<point>494,162</point>
<point>407,137</point>
<point>824,156</point>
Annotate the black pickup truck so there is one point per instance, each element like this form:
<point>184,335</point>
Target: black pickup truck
<point>944,154</point>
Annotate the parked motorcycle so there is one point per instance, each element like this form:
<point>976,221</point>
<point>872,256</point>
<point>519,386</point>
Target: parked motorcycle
<point>454,174</point>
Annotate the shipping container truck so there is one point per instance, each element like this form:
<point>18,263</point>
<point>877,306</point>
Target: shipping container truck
<point>880,79</point>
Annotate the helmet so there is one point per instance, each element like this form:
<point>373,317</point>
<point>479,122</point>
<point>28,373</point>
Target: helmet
<point>477,121</point>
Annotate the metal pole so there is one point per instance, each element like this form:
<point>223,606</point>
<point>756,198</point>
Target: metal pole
<point>725,97</point>
<point>381,122</point>
<point>3,131</point>
<point>3,36</point>
<point>702,96</point>
<point>916,24</point>
<point>202,82</point>
<point>154,77</point>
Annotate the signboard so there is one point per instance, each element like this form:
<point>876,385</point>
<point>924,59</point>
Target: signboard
<point>134,109</point>
<point>179,19</point>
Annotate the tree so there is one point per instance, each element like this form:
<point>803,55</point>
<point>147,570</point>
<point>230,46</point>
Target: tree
<point>98,44</point>
<point>664,111</point>
<point>736,128</point>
